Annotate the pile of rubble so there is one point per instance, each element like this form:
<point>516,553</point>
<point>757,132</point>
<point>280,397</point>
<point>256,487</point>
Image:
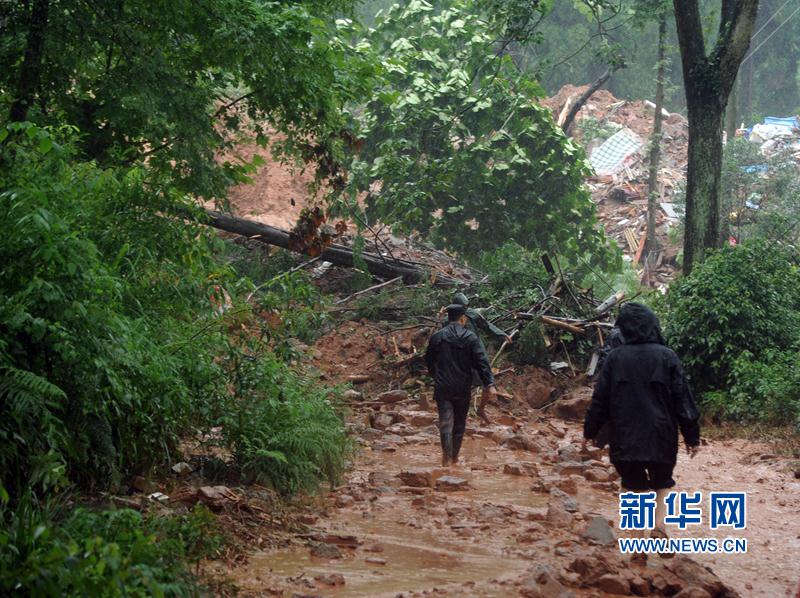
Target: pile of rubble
<point>621,165</point>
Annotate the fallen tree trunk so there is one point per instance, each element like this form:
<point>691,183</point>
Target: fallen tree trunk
<point>336,254</point>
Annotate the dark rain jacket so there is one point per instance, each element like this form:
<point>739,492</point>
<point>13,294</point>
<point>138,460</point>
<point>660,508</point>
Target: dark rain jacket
<point>453,353</point>
<point>643,394</point>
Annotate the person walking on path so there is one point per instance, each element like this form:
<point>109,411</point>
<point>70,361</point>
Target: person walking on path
<point>453,353</point>
<point>644,396</point>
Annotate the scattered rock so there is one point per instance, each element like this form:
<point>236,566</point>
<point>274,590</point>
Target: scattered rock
<point>159,497</point>
<point>574,406</point>
<point>182,469</point>
<point>421,476</point>
<point>502,436</point>
<point>450,483</point>
<point>344,501</point>
<point>375,560</point>
<point>523,442</point>
<point>326,551</point>
<point>695,574</point>
<point>593,567</point>
<point>520,468</point>
<point>595,474</point>
<point>419,419</point>
<point>613,584</point>
<point>140,484</point>
<point>565,500</point>
<point>693,592</point>
<point>352,395</point>
<point>598,531</point>
<point>358,378</point>
<point>569,468</point>
<point>543,584</point>
<point>381,420</point>
<point>666,583</point>
<point>558,516</point>
<point>330,579</point>
<point>392,396</point>
<point>215,496</point>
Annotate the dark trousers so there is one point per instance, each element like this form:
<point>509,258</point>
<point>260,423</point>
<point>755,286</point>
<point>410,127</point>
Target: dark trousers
<point>452,422</point>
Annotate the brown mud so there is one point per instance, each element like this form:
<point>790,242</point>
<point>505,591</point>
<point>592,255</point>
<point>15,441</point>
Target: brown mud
<point>511,519</point>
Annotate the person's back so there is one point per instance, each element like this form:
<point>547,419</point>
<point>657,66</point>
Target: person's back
<point>642,392</point>
<point>453,353</point>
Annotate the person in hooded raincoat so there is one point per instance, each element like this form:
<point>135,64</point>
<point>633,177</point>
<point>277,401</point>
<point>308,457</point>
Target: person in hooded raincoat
<point>476,321</point>
<point>643,395</point>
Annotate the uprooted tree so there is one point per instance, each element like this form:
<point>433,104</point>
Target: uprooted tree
<point>708,80</point>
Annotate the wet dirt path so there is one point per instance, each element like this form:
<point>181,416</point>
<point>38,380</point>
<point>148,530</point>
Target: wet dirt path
<point>527,496</point>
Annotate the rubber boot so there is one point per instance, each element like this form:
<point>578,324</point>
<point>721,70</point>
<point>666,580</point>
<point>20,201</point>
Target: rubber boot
<point>457,440</point>
<point>447,448</point>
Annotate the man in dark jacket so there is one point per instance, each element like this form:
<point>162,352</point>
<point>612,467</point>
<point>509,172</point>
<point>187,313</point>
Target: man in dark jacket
<point>453,353</point>
<point>643,394</point>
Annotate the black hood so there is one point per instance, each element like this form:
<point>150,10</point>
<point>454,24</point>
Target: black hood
<point>638,324</point>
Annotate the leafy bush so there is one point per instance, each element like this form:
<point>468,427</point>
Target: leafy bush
<point>110,345</point>
<point>766,390</point>
<point>283,429</point>
<point>104,554</point>
<point>734,319</point>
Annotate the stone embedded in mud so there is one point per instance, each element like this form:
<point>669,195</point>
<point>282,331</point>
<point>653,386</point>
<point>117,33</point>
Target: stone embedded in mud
<point>666,583</point>
<point>451,483</point>
<point>695,574</point>
<point>565,500</point>
<point>375,560</point>
<point>595,474</point>
<point>574,406</point>
<point>419,419</point>
<point>613,584</point>
<point>523,442</point>
<point>593,567</point>
<point>520,468</point>
<point>381,420</point>
<point>182,469</point>
<point>214,496</point>
<point>392,396</point>
<point>352,395</point>
<point>569,453</point>
<point>569,468</point>
<point>330,579</point>
<point>502,435</point>
<point>598,531</point>
<point>326,551</point>
<point>344,501</point>
<point>421,476</point>
<point>558,516</point>
<point>542,583</point>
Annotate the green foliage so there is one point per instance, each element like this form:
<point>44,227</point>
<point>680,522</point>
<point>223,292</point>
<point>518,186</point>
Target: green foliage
<point>283,429</point>
<point>741,305</point>
<point>108,553</point>
<point>457,148</point>
<point>112,345</point>
<point>182,82</point>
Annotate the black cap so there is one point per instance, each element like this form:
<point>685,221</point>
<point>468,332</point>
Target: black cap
<point>455,311</point>
<point>461,299</point>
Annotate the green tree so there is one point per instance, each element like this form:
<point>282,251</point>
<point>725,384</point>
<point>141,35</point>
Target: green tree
<point>455,145</point>
<point>708,80</point>
<point>176,83</point>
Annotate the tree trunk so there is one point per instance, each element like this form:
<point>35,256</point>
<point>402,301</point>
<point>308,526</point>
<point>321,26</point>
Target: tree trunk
<point>708,80</point>
<point>602,80</point>
<point>732,114</point>
<point>703,181</point>
<point>30,70</point>
<point>336,254</point>
<point>655,142</point>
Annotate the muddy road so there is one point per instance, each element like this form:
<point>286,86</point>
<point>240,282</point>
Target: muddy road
<point>526,513</point>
